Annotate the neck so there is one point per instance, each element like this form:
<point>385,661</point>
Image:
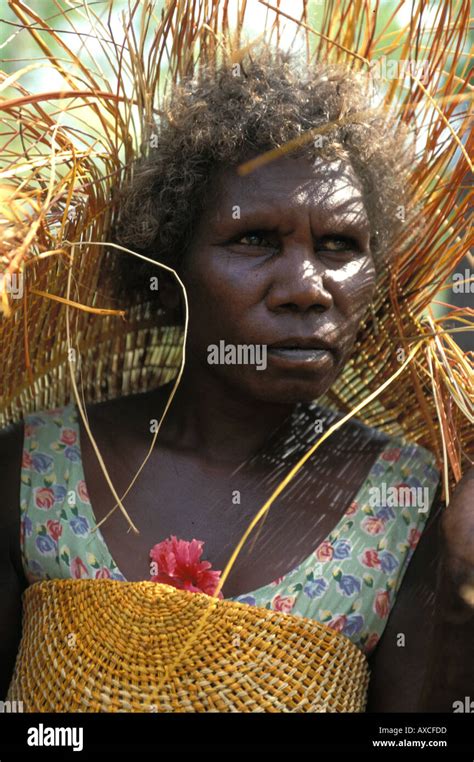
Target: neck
<point>217,421</point>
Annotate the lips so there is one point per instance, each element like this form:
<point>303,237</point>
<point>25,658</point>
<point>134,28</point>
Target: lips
<point>299,355</point>
<point>300,342</point>
<point>301,351</point>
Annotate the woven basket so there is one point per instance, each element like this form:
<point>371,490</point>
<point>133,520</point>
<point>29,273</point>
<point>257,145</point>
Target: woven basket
<point>430,400</point>
<point>126,634</point>
<point>103,646</point>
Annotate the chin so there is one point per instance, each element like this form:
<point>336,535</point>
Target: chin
<point>293,393</point>
<point>284,390</point>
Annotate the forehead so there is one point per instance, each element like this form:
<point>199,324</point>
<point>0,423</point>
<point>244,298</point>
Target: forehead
<point>291,184</point>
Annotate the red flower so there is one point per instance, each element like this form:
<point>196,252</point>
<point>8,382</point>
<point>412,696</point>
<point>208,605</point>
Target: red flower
<point>103,573</point>
<point>324,552</point>
<point>78,568</point>
<point>392,455</point>
<point>372,525</point>
<point>82,491</point>
<point>177,563</point>
<point>55,529</point>
<point>382,604</point>
<point>337,623</point>
<point>277,580</point>
<point>68,436</point>
<point>370,558</point>
<point>413,537</point>
<point>283,603</point>
<point>353,508</point>
<point>44,498</point>
<point>371,642</point>
<point>26,460</point>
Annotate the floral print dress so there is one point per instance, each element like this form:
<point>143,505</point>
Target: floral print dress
<point>349,582</point>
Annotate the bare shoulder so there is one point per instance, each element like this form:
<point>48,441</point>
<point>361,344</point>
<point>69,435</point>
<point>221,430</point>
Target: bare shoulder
<point>130,408</point>
<point>353,435</point>
<point>11,449</point>
<point>12,580</point>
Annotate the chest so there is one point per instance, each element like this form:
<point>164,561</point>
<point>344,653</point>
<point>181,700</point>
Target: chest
<point>182,495</point>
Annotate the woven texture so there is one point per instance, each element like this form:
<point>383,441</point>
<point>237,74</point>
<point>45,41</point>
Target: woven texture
<point>125,633</point>
<point>43,237</point>
<point>102,646</point>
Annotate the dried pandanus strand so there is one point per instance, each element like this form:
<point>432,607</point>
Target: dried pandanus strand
<point>178,40</point>
<point>406,375</point>
<point>17,211</point>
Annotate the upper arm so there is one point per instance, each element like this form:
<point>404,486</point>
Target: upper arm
<point>12,580</point>
<point>399,663</point>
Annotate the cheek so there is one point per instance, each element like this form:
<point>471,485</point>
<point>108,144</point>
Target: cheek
<point>352,286</point>
<point>216,300</point>
<point>220,287</point>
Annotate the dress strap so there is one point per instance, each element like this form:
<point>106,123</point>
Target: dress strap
<point>57,537</point>
<point>351,580</point>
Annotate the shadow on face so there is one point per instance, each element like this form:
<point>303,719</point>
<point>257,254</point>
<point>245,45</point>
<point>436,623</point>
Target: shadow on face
<point>281,262</point>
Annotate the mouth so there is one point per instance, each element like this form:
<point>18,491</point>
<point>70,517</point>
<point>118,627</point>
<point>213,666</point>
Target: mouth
<point>298,351</point>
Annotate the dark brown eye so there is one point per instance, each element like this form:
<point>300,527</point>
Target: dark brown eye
<point>254,239</point>
<point>337,244</point>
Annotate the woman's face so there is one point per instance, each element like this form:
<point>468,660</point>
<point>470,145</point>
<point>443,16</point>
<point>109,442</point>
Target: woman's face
<point>282,258</point>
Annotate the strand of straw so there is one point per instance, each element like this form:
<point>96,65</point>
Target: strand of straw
<point>169,401</point>
<point>263,510</point>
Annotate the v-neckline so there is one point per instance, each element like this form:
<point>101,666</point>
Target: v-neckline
<point>389,444</point>
<point>334,531</point>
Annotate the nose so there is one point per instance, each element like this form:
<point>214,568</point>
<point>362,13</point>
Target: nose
<point>298,281</point>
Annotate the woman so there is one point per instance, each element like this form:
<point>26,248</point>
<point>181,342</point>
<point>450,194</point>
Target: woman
<point>284,262</point>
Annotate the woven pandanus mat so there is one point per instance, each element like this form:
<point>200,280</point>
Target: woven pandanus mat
<point>110,646</point>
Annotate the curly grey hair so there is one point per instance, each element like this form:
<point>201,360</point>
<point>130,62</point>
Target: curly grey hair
<point>224,114</point>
